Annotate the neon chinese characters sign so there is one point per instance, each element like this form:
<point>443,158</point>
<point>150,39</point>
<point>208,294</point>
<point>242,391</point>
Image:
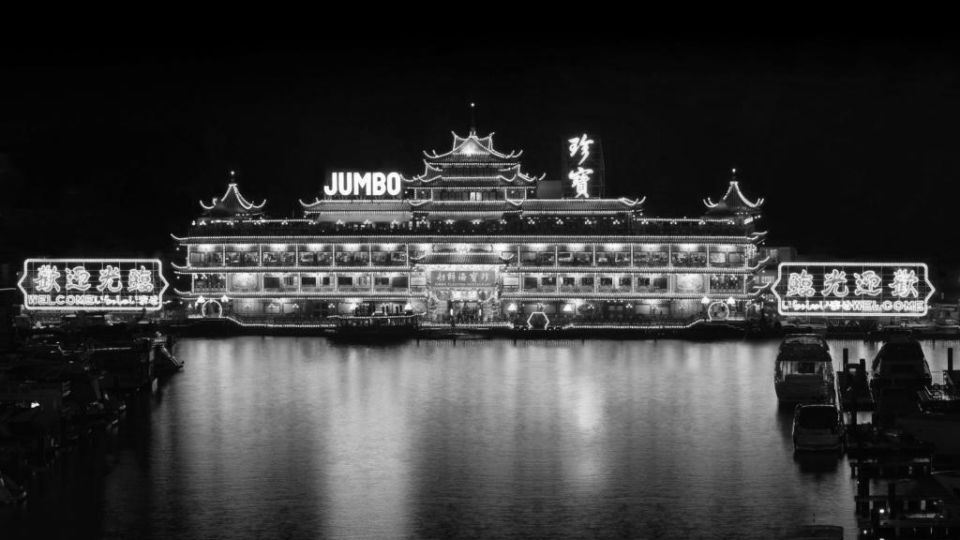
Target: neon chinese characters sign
<point>92,284</point>
<point>823,289</point>
<point>580,176</point>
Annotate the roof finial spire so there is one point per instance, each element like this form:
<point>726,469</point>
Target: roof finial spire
<point>473,118</point>
<point>233,176</point>
<point>733,174</point>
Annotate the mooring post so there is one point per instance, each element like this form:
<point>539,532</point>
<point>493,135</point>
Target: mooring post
<point>950,359</point>
<point>892,499</point>
<point>846,358</point>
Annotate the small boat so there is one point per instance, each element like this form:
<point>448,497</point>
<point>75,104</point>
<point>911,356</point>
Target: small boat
<point>817,427</point>
<point>900,365</point>
<point>804,370</point>
<point>375,328</point>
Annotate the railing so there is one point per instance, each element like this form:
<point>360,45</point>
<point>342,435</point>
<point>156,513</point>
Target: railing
<point>549,226</point>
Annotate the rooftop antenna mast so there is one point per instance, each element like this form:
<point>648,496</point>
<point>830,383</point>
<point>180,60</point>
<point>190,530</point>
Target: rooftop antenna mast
<point>473,118</point>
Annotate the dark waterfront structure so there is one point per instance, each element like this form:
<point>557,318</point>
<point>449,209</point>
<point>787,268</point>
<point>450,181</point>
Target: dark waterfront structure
<point>473,239</point>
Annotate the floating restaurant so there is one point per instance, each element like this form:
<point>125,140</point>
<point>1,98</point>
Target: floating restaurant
<point>473,238</point>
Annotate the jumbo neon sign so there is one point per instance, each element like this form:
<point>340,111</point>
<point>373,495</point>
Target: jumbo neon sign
<point>834,289</point>
<point>92,284</point>
<point>369,184</point>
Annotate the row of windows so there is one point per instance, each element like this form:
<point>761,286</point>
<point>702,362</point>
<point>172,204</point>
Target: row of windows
<point>589,282</point>
<point>639,283</point>
<point>294,282</point>
<point>363,257</point>
<point>304,258</point>
<point>638,258</point>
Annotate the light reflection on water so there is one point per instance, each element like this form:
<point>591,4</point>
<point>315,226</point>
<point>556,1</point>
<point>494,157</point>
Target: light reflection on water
<point>298,438</point>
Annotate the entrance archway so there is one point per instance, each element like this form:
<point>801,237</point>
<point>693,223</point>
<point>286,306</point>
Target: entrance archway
<point>212,309</point>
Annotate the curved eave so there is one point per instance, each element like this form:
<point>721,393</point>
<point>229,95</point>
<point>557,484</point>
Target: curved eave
<point>741,200</point>
<point>632,203</point>
<point>761,264</point>
<point>765,289</point>
<point>177,238</point>
<point>485,143</point>
<point>250,206</point>
<point>735,188</point>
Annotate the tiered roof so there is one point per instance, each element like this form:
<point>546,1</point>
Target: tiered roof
<point>232,203</point>
<point>387,210</point>
<point>472,162</point>
<point>733,202</point>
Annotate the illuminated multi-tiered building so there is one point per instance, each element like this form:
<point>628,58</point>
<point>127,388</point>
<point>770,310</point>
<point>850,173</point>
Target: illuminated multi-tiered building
<point>472,238</point>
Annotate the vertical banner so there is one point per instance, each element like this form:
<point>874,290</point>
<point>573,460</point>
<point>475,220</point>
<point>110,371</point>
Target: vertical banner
<point>582,166</point>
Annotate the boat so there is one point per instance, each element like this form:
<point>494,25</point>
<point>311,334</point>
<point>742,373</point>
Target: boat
<point>817,427</point>
<point>377,327</point>
<point>900,365</point>
<point>804,370</point>
<point>937,418</point>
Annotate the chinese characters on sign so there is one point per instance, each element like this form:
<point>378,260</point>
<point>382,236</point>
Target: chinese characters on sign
<point>583,166</point>
<point>463,278</point>
<point>92,284</point>
<point>853,289</point>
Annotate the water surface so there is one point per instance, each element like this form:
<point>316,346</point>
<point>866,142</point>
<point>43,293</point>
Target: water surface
<point>267,437</point>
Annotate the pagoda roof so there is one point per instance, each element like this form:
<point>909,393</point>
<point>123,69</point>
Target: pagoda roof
<point>232,203</point>
<point>434,176</point>
<point>472,162</point>
<point>350,210</point>
<point>472,148</point>
<point>733,202</point>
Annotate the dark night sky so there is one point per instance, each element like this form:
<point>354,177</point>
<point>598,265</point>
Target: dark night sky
<point>853,142</point>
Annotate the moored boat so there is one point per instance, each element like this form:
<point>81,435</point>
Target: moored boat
<point>381,326</point>
<point>804,370</point>
<point>937,419</point>
<point>817,427</point>
<point>900,365</point>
